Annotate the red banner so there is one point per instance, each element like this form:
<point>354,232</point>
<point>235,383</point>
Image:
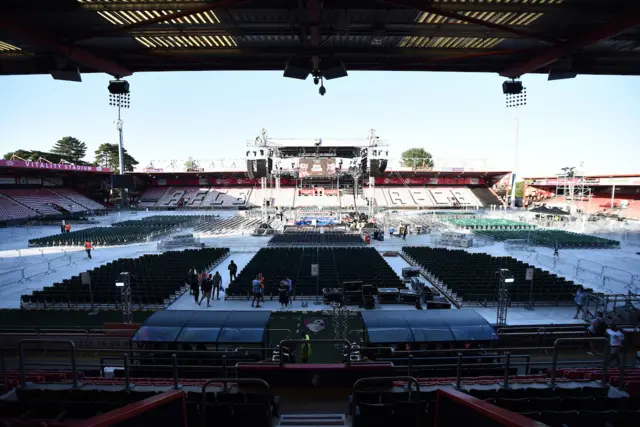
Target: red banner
<point>52,166</point>
<point>429,181</point>
<point>307,192</point>
<point>330,192</point>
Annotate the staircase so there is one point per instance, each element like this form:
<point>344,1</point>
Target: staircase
<point>312,420</point>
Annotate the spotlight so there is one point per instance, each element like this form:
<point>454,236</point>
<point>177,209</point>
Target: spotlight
<point>316,80</point>
<point>322,90</point>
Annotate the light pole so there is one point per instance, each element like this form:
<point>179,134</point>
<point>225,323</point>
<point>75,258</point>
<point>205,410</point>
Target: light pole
<point>516,97</point>
<point>124,282</point>
<point>119,97</point>
<point>505,278</point>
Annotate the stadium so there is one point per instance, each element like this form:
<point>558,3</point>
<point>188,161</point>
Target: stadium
<point>348,285</point>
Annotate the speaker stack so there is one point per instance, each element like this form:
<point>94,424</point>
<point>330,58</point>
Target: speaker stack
<point>378,166</point>
<point>259,168</point>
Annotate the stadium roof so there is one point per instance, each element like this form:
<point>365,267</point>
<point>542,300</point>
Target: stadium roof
<point>510,37</point>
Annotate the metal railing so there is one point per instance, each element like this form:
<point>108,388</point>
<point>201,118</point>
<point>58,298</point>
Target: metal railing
<point>42,268</point>
<point>503,356</point>
<point>346,342</point>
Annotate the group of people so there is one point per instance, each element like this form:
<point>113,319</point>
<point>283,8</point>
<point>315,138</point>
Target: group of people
<point>285,287</point>
<point>598,328</point>
<point>209,284</point>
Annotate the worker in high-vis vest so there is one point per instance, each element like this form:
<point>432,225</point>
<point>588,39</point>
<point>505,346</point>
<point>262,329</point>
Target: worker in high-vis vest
<point>88,247</point>
<point>305,349</point>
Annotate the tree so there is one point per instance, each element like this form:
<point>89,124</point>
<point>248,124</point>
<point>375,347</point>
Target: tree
<point>191,165</point>
<point>70,148</point>
<point>34,155</point>
<point>107,156</point>
<point>417,158</point>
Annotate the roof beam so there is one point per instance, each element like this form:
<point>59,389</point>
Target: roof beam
<point>23,31</point>
<point>583,6</point>
<point>314,19</point>
<point>279,28</point>
<point>425,6</point>
<point>202,7</point>
<point>621,22</point>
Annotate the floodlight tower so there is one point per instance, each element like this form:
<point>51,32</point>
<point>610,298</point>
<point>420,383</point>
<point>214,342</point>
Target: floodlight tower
<point>516,97</point>
<point>119,97</point>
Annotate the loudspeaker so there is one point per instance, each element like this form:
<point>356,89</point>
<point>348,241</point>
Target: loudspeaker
<point>261,168</point>
<point>250,169</point>
<point>378,167</point>
<point>298,69</point>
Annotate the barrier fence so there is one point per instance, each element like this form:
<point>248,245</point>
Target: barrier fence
<point>44,267</point>
<point>603,277</point>
<point>502,358</point>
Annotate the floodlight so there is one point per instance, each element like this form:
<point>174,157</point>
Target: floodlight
<point>508,280</point>
<point>119,284</point>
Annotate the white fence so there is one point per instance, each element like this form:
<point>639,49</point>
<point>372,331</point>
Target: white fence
<point>590,273</point>
<point>44,267</point>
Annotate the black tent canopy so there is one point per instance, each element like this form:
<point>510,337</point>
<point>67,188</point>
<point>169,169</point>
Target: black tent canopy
<point>420,326</point>
<point>247,327</point>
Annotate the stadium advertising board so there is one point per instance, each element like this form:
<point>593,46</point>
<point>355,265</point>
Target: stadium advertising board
<point>51,166</point>
<point>310,168</point>
<point>429,181</point>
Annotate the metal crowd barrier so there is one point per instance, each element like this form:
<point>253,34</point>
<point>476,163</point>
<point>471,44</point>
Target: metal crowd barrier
<point>174,367</point>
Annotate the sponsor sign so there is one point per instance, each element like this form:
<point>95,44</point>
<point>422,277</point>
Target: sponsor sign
<point>315,325</point>
<point>528,275</point>
<point>51,166</point>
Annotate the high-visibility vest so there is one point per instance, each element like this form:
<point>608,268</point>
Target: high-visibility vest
<point>87,245</point>
<point>306,347</point>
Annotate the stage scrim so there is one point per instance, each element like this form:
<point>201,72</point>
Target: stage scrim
<point>309,168</point>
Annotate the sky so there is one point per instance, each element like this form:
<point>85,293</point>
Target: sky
<point>457,117</point>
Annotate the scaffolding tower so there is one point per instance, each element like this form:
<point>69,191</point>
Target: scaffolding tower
<point>572,184</point>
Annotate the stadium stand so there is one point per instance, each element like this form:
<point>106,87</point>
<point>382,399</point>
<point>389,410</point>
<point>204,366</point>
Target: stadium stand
<point>118,234</point>
<point>79,199</point>
<point>43,200</point>
<point>226,198</point>
<point>311,237</point>
<point>486,197</point>
<point>213,226</point>
<point>338,265</point>
<point>156,280</point>
<point>11,210</point>
<point>564,239</point>
<point>472,277</point>
<point>151,196</point>
<point>171,197</point>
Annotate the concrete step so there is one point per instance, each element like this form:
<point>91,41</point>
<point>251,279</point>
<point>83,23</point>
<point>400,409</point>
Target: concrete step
<point>312,420</point>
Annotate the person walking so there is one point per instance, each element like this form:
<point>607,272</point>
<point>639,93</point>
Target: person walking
<point>580,300</point>
<point>615,344</point>
<point>217,284</point>
<point>207,285</point>
<point>405,232</point>
<point>597,328</point>
<point>257,289</point>
<point>233,270</point>
<point>88,247</point>
<point>555,250</point>
<point>283,293</point>
<point>305,348</point>
<point>67,228</point>
<point>193,284</point>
